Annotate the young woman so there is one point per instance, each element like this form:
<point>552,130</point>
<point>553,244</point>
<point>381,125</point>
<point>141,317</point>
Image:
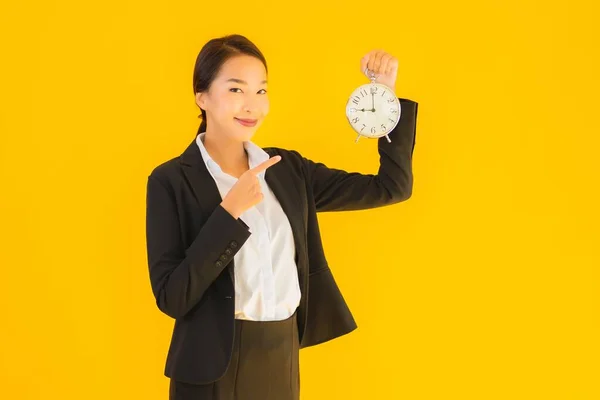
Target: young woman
<point>234,250</point>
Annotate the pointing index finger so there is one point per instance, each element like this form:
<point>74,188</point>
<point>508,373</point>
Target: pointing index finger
<point>266,164</point>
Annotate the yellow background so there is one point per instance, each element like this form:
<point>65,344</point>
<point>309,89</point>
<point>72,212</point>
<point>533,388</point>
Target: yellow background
<point>484,285</point>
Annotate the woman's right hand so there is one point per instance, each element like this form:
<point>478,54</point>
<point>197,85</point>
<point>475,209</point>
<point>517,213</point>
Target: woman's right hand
<point>247,192</point>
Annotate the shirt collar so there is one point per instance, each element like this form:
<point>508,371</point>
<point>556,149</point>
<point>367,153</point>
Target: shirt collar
<point>256,155</point>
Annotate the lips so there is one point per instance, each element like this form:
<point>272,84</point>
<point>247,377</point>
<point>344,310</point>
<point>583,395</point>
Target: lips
<point>247,122</point>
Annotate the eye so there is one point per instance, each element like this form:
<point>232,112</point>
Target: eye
<point>234,89</point>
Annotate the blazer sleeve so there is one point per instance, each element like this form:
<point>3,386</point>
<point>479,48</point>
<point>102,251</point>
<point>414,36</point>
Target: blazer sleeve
<point>179,276</point>
<point>338,190</point>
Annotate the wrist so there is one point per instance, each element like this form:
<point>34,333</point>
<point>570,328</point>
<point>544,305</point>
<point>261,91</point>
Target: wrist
<point>234,213</point>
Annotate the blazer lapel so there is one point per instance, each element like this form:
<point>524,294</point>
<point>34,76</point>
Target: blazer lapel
<point>203,185</point>
<point>208,197</point>
<point>284,188</point>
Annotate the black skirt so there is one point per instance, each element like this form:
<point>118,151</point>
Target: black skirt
<point>264,365</point>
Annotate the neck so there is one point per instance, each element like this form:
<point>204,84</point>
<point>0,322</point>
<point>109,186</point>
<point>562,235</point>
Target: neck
<point>227,152</point>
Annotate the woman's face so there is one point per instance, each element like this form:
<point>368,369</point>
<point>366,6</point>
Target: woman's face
<point>239,91</point>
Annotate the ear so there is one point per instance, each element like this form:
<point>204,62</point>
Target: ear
<point>201,100</point>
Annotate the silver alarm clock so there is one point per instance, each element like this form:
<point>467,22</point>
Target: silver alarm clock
<point>373,109</point>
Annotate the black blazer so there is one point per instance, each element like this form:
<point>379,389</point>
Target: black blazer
<point>191,241</point>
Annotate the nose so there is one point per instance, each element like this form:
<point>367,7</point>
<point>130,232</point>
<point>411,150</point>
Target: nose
<point>252,104</point>
<point>249,107</point>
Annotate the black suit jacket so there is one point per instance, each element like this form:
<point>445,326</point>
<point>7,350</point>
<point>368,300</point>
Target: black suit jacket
<point>192,239</point>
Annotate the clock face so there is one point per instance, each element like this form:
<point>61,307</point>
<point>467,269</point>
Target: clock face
<point>373,110</point>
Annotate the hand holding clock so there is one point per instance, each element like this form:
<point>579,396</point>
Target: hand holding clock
<point>384,112</point>
<point>383,64</point>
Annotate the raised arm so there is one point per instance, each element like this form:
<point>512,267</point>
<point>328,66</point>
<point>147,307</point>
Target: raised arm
<point>339,190</point>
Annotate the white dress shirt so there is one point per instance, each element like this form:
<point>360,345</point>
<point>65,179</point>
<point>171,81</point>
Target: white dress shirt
<point>266,276</point>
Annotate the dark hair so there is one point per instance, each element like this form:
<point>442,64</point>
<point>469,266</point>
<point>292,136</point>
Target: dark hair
<point>213,55</point>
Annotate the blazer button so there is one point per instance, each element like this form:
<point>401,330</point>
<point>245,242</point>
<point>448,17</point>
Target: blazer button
<point>228,251</point>
<point>233,244</point>
<point>223,257</point>
<point>219,264</point>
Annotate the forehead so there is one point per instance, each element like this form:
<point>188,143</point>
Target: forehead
<point>247,68</point>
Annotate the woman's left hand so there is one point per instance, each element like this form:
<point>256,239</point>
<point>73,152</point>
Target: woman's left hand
<point>383,64</point>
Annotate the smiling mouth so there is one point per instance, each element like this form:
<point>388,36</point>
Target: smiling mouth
<point>247,122</point>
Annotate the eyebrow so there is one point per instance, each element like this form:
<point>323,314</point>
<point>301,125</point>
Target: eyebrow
<point>240,81</point>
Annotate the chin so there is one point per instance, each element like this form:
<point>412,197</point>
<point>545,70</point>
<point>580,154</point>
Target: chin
<point>246,133</point>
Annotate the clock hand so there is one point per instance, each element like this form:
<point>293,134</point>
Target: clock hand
<point>373,101</point>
